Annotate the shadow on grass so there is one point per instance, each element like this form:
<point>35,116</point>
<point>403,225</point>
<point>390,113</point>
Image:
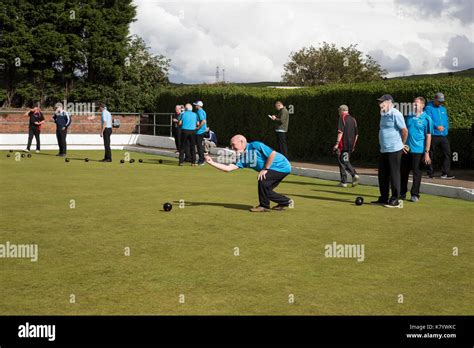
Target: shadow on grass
<point>157,162</point>
<point>224,205</point>
<point>349,201</point>
<point>310,183</point>
<point>346,193</point>
<point>44,154</point>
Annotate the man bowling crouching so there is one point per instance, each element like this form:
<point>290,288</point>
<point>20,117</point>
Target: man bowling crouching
<point>272,166</point>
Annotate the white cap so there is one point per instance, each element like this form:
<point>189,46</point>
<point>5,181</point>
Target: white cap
<point>199,103</point>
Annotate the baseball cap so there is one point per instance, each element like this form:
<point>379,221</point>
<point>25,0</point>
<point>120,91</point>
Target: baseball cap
<point>385,97</point>
<point>199,103</point>
<point>439,97</point>
<point>343,108</point>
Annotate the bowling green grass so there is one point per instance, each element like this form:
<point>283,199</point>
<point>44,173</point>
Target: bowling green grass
<point>191,251</point>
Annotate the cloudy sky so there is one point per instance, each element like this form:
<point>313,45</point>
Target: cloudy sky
<point>252,39</point>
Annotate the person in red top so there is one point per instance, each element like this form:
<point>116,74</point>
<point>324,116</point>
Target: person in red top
<point>347,135</point>
<point>36,119</point>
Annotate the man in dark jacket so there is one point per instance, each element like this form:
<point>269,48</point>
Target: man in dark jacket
<point>36,121</point>
<point>281,128</point>
<point>347,135</point>
<point>63,121</point>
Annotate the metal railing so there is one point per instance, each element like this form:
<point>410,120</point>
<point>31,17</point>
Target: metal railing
<point>154,124</point>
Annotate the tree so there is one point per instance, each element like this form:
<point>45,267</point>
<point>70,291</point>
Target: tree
<point>15,43</point>
<point>144,68</point>
<point>328,64</point>
<point>76,50</point>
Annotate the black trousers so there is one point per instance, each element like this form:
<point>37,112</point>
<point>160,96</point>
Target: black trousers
<point>440,141</point>
<point>389,175</point>
<point>266,186</point>
<point>61,136</point>
<point>282,140</point>
<point>411,162</point>
<point>34,132</point>
<point>177,137</point>
<point>343,159</point>
<point>108,151</point>
<point>188,141</point>
<point>200,147</point>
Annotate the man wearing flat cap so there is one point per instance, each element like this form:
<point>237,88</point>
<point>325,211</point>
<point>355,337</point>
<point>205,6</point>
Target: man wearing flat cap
<point>347,135</point>
<point>393,134</point>
<point>439,139</point>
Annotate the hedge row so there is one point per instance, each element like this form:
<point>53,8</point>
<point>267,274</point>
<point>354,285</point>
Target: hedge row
<point>312,129</point>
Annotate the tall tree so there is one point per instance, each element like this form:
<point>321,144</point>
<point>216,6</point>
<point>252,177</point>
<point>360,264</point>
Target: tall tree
<point>312,66</point>
<point>15,44</point>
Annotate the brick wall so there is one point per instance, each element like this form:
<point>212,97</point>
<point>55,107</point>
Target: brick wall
<point>16,122</point>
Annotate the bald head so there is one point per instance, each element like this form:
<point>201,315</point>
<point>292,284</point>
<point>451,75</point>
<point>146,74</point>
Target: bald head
<point>238,143</point>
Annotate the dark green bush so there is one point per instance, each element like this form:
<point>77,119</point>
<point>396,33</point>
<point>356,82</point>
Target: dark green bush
<point>312,129</point>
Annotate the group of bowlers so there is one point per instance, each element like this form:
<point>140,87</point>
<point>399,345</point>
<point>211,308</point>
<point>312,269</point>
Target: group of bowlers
<point>189,129</point>
<point>405,145</point>
<point>62,119</point>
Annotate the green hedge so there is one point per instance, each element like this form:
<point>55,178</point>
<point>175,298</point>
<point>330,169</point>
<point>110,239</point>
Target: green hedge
<point>312,129</point>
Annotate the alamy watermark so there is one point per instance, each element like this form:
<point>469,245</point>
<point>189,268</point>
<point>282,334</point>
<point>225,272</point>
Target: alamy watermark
<point>21,251</point>
<point>88,109</point>
<point>348,251</point>
<point>248,158</point>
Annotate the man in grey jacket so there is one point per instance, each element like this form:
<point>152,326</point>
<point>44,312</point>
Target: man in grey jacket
<point>281,128</point>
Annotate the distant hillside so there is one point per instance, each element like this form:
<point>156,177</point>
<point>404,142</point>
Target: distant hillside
<point>462,73</point>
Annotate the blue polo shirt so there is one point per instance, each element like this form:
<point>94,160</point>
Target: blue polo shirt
<point>418,127</point>
<point>255,156</point>
<point>106,118</point>
<point>439,117</point>
<point>390,137</point>
<point>201,116</point>
<point>189,119</point>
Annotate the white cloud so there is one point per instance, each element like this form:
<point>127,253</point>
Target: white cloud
<point>252,40</point>
<point>460,54</point>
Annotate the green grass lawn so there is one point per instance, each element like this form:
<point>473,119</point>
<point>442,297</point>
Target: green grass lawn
<point>190,251</point>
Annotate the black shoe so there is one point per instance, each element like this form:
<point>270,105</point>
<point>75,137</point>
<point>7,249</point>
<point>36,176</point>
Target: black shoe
<point>380,201</point>
<point>403,197</point>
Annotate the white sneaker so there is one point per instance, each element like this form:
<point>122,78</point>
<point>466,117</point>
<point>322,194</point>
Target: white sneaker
<point>342,184</point>
<point>355,180</point>
<point>27,150</point>
<point>37,151</point>
<point>414,199</point>
<point>394,204</point>
<point>447,177</point>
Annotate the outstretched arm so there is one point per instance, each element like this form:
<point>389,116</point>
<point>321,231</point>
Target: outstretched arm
<point>220,166</point>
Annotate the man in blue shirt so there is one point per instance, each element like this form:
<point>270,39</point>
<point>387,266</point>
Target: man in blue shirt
<point>201,129</point>
<point>392,137</point>
<point>419,140</point>
<point>188,121</point>
<point>272,166</point>
<point>439,117</point>
<point>106,131</point>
